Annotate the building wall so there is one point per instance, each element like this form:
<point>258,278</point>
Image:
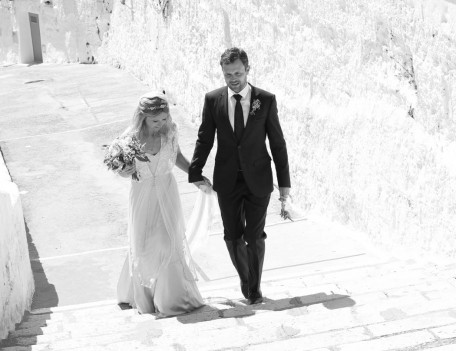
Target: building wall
<point>366,93</point>
<point>71,30</point>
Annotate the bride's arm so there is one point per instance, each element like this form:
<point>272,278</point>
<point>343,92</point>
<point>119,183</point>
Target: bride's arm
<point>182,162</point>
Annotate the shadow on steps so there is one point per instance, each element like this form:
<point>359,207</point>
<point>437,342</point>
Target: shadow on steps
<point>223,308</point>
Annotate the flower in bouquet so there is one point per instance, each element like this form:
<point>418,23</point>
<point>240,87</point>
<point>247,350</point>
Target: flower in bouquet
<point>122,153</point>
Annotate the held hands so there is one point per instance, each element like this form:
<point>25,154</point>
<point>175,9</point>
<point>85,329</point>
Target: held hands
<point>204,185</point>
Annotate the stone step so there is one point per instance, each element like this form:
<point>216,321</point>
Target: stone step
<point>95,322</point>
<point>228,286</point>
<point>276,333</point>
<point>382,297</point>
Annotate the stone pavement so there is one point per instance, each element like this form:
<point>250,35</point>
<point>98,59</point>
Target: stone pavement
<point>326,287</point>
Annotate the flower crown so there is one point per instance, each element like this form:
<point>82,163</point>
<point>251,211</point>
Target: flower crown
<point>156,107</point>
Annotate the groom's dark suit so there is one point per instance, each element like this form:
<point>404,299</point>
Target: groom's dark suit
<point>243,176</point>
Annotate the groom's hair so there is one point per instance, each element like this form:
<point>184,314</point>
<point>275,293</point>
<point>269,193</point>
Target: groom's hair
<point>232,54</point>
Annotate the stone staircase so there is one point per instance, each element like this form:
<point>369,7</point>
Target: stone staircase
<point>360,302</point>
<point>324,292</point>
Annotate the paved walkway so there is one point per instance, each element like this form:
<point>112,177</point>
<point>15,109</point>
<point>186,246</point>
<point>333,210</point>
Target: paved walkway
<point>326,288</point>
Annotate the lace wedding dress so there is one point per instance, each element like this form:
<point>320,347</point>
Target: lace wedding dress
<point>158,275</point>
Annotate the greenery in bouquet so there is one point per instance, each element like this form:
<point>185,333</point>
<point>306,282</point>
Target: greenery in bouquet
<point>122,153</point>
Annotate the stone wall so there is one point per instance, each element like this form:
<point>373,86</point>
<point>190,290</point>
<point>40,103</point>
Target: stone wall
<point>17,285</point>
<point>366,93</point>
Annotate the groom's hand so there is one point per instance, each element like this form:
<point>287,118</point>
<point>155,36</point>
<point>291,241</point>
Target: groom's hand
<point>284,212</point>
<point>207,181</point>
<point>201,184</point>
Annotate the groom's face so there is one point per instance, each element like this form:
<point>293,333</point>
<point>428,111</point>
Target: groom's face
<point>235,75</point>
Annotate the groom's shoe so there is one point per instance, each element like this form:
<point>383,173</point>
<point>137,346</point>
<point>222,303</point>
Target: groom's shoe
<point>255,300</point>
<point>255,297</point>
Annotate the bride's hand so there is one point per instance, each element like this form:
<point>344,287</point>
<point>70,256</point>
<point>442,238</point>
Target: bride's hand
<point>207,182</point>
<point>127,171</point>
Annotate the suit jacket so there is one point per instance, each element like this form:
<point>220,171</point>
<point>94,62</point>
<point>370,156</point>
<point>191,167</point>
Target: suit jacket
<point>254,158</point>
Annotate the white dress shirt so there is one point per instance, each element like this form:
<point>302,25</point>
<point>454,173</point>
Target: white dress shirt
<point>245,103</point>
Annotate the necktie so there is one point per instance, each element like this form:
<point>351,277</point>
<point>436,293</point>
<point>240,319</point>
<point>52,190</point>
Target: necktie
<point>238,118</point>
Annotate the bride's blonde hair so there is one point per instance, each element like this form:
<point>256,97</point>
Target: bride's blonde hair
<point>151,103</point>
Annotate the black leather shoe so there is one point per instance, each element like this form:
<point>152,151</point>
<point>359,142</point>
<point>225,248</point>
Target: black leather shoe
<point>254,301</point>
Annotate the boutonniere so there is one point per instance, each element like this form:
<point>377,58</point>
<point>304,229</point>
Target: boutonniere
<point>256,104</point>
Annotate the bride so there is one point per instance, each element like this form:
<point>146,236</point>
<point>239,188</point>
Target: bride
<point>158,275</point>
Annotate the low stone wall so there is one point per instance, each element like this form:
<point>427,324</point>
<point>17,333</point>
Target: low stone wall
<point>16,278</point>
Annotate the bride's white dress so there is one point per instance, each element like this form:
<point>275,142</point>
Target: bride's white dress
<point>158,275</point>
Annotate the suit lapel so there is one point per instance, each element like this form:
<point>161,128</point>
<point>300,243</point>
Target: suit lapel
<point>253,97</point>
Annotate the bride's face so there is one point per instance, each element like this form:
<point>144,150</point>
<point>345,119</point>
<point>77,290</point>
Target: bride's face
<point>156,122</point>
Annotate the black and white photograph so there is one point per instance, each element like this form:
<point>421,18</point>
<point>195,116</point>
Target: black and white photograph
<point>240,175</point>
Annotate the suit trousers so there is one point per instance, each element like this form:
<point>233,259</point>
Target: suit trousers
<point>244,217</point>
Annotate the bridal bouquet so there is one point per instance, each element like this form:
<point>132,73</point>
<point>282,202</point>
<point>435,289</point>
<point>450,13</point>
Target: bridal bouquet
<point>122,152</point>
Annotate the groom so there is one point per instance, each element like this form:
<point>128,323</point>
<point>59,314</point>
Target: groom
<point>242,116</point>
